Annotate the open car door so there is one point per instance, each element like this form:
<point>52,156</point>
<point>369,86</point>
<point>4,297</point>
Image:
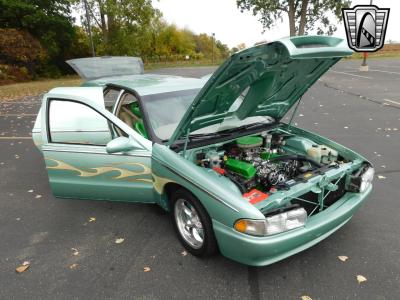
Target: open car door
<point>75,132</point>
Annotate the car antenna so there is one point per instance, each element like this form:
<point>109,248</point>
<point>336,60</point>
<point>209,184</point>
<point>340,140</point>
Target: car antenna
<point>293,114</point>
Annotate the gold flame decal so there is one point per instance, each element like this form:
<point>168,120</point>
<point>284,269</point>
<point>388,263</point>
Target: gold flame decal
<point>123,173</point>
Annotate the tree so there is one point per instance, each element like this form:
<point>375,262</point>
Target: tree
<point>19,48</point>
<point>304,15</point>
<point>241,46</point>
<point>49,21</point>
<point>223,49</point>
<point>121,21</point>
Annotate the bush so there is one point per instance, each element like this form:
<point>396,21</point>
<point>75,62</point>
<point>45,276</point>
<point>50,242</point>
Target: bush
<point>21,51</point>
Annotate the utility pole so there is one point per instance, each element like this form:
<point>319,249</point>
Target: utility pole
<point>213,42</point>
<point>89,27</point>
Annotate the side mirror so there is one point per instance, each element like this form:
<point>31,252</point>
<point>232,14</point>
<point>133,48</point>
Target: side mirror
<point>121,144</point>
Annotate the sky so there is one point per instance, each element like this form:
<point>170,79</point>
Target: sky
<point>232,27</point>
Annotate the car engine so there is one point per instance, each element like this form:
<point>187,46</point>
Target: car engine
<point>261,163</point>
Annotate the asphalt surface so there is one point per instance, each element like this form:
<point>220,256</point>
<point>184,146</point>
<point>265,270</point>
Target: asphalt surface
<point>361,110</point>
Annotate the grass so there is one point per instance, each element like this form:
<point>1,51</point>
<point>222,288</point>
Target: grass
<point>388,50</point>
<point>34,88</point>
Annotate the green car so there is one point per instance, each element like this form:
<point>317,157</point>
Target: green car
<point>213,151</point>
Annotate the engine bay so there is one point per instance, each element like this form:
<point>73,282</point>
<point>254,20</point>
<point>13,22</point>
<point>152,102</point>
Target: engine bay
<point>262,164</point>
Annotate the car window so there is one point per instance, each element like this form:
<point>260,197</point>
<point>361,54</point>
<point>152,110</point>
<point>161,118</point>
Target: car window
<point>75,123</point>
<point>167,109</point>
<point>110,97</point>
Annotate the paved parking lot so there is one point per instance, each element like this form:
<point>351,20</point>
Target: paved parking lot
<point>358,109</point>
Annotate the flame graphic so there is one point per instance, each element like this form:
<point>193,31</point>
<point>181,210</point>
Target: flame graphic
<point>124,173</point>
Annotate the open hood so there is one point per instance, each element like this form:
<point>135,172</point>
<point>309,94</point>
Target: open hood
<point>105,66</point>
<point>267,79</point>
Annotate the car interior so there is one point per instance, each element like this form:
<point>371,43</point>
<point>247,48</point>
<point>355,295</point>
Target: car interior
<point>129,112</point>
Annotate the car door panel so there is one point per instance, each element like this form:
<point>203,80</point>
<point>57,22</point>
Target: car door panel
<point>92,173</point>
<point>87,171</point>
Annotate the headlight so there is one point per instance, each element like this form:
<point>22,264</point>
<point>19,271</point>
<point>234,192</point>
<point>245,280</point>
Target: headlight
<point>361,179</point>
<point>273,224</point>
<point>366,179</point>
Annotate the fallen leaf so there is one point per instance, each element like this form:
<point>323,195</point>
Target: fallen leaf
<point>146,269</point>
<point>343,257</point>
<point>119,240</point>
<point>22,268</point>
<point>361,279</point>
<point>73,266</point>
<point>92,219</point>
<point>184,253</point>
<point>305,297</point>
<point>381,177</point>
<point>75,251</point>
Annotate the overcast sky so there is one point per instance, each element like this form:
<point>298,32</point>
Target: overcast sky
<point>233,27</point>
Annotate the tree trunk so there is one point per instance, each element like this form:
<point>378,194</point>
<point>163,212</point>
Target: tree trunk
<point>104,28</point>
<point>303,16</point>
<point>292,18</point>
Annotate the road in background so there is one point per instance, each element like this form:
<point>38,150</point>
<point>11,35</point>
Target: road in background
<point>361,110</point>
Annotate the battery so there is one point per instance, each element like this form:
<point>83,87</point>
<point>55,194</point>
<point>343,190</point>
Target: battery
<point>255,196</point>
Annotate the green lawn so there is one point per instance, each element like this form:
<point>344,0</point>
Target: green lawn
<point>33,88</point>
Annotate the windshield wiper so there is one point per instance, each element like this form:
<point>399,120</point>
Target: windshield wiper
<point>247,127</point>
<point>201,136</point>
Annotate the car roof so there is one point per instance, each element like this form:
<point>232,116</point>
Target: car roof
<point>147,84</point>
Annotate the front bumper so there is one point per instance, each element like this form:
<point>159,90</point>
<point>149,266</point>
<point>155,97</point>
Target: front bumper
<point>261,251</point>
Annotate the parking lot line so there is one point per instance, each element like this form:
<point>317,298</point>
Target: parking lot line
<point>392,101</point>
<point>351,74</point>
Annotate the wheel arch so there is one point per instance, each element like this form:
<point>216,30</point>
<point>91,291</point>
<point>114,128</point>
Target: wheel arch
<point>168,190</point>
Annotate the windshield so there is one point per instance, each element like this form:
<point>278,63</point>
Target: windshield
<point>166,110</point>
<point>97,67</point>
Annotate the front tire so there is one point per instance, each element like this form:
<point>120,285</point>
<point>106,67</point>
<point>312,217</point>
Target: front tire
<point>192,224</point>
